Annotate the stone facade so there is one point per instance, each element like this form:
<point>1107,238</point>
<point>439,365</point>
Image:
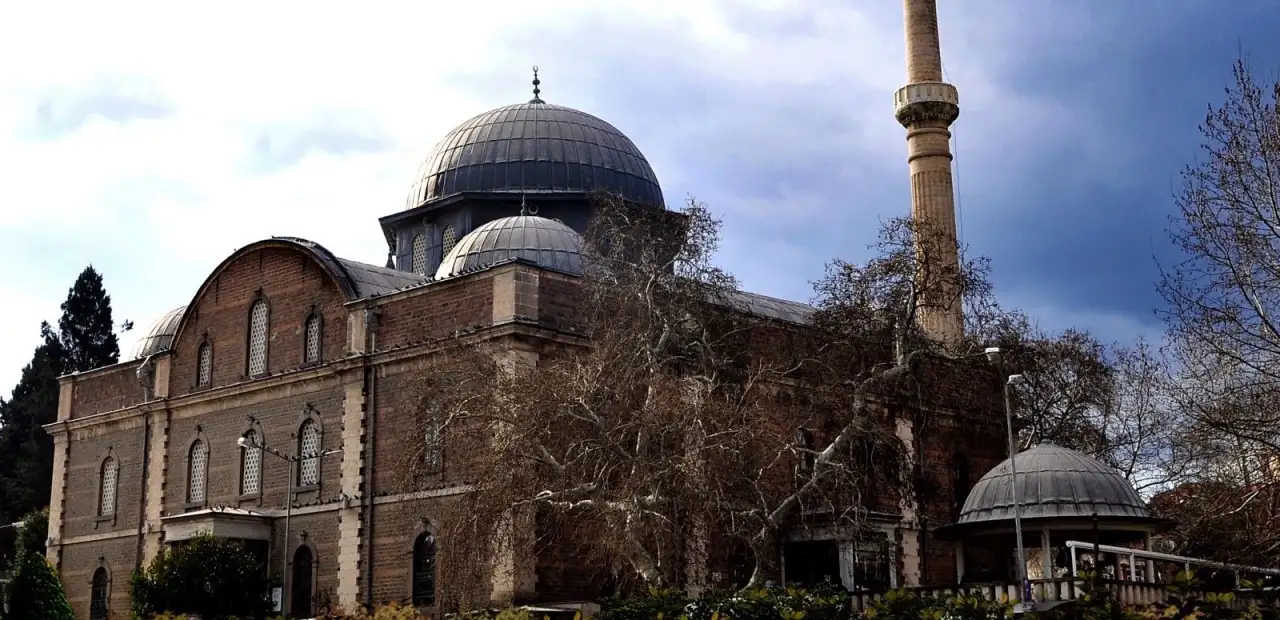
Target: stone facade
<point>357,520</point>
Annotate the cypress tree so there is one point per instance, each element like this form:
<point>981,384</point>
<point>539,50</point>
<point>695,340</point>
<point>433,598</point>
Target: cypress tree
<point>37,592</point>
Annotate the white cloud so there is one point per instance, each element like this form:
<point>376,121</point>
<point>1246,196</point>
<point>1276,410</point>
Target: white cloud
<point>158,201</point>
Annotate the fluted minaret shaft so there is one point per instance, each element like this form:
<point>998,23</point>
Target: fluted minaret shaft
<point>926,107</point>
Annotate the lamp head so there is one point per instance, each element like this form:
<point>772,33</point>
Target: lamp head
<point>242,442</point>
<point>1015,379</point>
<point>993,354</point>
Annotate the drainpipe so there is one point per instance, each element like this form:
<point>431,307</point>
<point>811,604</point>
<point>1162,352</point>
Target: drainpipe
<point>148,391</point>
<point>370,453</point>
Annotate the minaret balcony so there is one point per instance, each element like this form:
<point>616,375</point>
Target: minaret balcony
<point>926,101</point>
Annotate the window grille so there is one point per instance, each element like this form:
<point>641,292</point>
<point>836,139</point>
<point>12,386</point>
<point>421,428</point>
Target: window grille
<point>107,496</point>
<point>204,365</point>
<point>313,338</point>
<point>250,465</point>
<point>434,445</point>
<point>309,446</point>
<point>197,461</point>
<point>419,254</point>
<point>258,338</point>
<point>450,239</point>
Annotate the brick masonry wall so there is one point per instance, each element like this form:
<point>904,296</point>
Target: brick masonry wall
<point>280,418</point>
<point>86,451</point>
<point>293,285</point>
<point>437,311</point>
<point>558,298</point>
<point>108,389</point>
<point>80,561</point>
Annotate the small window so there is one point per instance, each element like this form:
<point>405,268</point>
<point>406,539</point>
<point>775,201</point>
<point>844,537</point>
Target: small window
<point>308,449</point>
<point>204,365</point>
<point>99,595</point>
<point>197,460</point>
<point>424,570</point>
<point>312,339</point>
<point>434,445</point>
<point>251,465</point>
<point>107,494</point>
<point>448,240</point>
<point>419,264</point>
<point>258,338</point>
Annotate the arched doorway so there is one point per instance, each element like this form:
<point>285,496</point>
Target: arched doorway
<point>300,595</point>
<point>424,570</point>
<point>98,594</point>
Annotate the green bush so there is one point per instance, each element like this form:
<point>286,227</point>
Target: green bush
<point>212,577</point>
<point>33,533</point>
<point>41,596</point>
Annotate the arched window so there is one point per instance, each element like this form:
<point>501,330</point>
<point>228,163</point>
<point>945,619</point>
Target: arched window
<point>804,443</point>
<point>300,598</point>
<point>204,365</point>
<point>959,483</point>
<point>424,570</point>
<point>448,240</point>
<point>197,460</point>
<point>99,594</point>
<point>258,338</point>
<point>433,444</point>
<point>308,448</point>
<point>107,493</point>
<point>311,339</point>
<point>419,264</point>
<point>251,464</point>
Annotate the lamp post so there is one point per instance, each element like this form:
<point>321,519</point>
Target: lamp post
<point>288,507</point>
<point>993,356</point>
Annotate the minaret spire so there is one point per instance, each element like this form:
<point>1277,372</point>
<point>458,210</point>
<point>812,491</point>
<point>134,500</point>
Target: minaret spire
<point>926,107</point>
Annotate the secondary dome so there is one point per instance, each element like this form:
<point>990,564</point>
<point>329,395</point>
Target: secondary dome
<point>1053,483</point>
<point>535,147</point>
<point>545,242</point>
<point>159,336</point>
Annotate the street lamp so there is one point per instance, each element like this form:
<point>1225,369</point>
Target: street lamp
<point>244,442</point>
<point>993,356</point>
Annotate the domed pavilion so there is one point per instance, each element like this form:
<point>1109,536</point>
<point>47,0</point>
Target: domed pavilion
<point>1062,495</point>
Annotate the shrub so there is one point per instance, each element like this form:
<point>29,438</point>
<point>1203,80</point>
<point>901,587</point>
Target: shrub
<point>33,533</point>
<point>212,577</point>
<point>41,596</point>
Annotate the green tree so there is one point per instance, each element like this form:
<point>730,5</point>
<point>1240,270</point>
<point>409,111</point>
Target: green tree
<point>33,533</point>
<point>213,577</point>
<point>83,341</point>
<point>41,597</point>
<point>86,328</point>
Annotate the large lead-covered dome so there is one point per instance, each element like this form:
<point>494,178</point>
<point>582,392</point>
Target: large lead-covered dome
<point>535,148</point>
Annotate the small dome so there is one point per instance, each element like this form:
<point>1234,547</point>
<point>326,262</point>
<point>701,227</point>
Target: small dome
<point>545,242</point>
<point>1053,482</point>
<point>160,335</point>
<point>532,148</point>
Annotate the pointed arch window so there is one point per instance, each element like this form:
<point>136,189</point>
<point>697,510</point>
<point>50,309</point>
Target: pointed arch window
<point>308,450</point>
<point>204,365</point>
<point>258,338</point>
<point>311,338</point>
<point>424,570</point>
<point>434,445</point>
<point>419,264</point>
<point>959,483</point>
<point>109,475</point>
<point>251,464</point>
<point>99,594</point>
<point>448,240</point>
<point>197,463</point>
<point>804,443</point>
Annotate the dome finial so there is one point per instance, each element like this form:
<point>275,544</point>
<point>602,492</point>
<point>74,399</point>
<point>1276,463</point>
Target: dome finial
<point>536,82</point>
<point>524,206</point>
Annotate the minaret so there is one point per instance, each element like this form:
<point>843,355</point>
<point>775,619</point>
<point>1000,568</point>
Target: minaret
<point>926,107</point>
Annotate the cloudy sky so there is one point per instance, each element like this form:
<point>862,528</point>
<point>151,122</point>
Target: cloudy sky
<point>152,140</point>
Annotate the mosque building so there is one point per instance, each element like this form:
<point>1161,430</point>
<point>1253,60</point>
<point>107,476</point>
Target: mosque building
<point>286,345</point>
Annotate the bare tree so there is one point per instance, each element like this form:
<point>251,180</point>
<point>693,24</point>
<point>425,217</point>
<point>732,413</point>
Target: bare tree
<point>1223,298</point>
